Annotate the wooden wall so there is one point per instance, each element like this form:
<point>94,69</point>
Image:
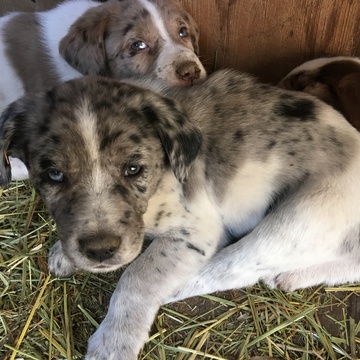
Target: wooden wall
<point>270,37</point>
<point>26,5</point>
<point>265,37</point>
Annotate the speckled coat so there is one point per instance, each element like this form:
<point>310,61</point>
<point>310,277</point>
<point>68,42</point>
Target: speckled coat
<point>233,180</point>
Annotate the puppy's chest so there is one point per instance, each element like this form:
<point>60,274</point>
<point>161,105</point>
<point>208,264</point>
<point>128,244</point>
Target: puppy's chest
<point>166,208</point>
<point>170,214</point>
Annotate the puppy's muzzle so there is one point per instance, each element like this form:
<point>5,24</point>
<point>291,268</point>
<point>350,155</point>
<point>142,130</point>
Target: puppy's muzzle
<point>188,71</point>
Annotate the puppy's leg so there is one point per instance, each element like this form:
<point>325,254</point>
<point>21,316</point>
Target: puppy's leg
<point>59,264</point>
<point>143,287</point>
<point>244,263</point>
<point>166,265</point>
<point>306,233</point>
<point>334,273</point>
<point>236,266</point>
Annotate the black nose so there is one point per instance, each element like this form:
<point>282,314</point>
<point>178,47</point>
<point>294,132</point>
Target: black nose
<point>99,247</point>
<point>100,255</point>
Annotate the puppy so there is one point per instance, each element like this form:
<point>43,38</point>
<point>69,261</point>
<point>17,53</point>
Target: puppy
<point>226,159</point>
<point>118,39</point>
<point>335,80</point>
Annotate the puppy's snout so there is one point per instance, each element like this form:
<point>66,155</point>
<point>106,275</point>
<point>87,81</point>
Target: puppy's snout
<point>188,71</point>
<point>99,247</point>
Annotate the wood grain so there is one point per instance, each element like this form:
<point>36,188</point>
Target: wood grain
<point>26,5</point>
<point>270,37</point>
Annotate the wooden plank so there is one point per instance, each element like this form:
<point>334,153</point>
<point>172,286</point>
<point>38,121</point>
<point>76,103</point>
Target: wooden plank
<point>16,5</point>
<point>270,37</point>
<point>26,5</point>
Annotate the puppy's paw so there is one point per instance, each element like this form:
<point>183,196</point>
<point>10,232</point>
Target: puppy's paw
<point>270,281</point>
<point>59,264</point>
<point>288,281</point>
<point>110,343</point>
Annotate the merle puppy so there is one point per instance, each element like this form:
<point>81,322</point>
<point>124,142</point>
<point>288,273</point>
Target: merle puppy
<point>229,158</point>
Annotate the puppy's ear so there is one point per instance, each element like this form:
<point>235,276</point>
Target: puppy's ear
<point>84,45</point>
<point>181,138</point>
<point>348,92</point>
<point>14,135</point>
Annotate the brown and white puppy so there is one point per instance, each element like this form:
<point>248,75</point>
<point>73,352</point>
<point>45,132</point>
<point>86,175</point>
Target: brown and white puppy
<point>225,159</point>
<point>335,80</point>
<point>118,39</point>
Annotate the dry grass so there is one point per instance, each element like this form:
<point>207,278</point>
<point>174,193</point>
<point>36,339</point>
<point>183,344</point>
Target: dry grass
<point>46,318</point>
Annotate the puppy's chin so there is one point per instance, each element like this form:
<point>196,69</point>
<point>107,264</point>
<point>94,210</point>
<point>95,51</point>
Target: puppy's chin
<point>103,268</point>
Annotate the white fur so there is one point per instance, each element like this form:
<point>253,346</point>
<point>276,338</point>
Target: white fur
<point>55,25</point>
<point>157,19</point>
<point>246,203</point>
<point>317,63</point>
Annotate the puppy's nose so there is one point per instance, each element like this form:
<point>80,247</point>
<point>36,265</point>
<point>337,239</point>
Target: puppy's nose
<point>188,71</point>
<point>100,255</point>
<point>99,247</point>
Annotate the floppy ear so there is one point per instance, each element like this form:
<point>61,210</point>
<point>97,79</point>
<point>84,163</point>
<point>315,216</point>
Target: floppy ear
<point>348,92</point>
<point>14,135</point>
<point>181,139</point>
<point>84,45</point>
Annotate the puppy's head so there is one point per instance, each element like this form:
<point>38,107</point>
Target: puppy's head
<point>334,80</point>
<point>96,150</point>
<point>121,39</point>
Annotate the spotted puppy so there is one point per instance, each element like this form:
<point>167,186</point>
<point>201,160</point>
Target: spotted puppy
<point>118,39</point>
<point>223,160</point>
<point>335,80</point>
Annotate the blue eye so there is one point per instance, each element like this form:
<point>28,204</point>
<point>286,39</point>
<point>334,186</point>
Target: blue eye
<point>55,175</point>
<point>138,45</point>
<point>183,32</point>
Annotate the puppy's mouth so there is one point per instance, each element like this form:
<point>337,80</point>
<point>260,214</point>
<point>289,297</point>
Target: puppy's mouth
<point>117,261</point>
<point>109,265</point>
<point>103,268</point>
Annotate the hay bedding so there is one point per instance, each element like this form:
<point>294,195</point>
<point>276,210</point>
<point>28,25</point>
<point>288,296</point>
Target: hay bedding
<point>42,317</point>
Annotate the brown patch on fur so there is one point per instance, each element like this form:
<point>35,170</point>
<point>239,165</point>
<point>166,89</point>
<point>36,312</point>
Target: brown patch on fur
<point>348,91</point>
<point>22,34</point>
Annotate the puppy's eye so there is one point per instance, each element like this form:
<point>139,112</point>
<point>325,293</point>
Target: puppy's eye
<point>132,170</point>
<point>55,175</point>
<point>138,45</point>
<point>183,32</point>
